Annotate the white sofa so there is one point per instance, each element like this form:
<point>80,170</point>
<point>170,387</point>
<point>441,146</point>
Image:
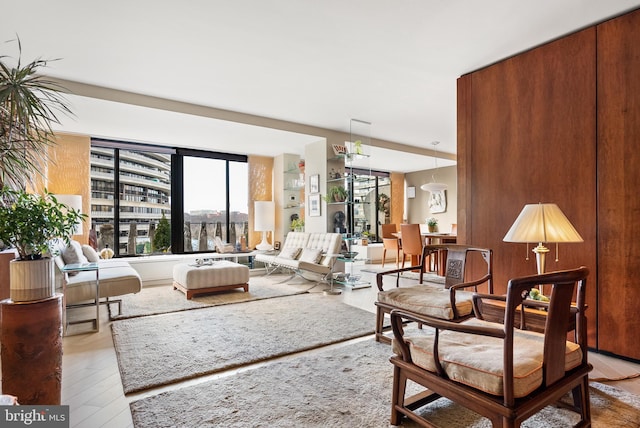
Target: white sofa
<point>116,276</point>
<point>305,251</point>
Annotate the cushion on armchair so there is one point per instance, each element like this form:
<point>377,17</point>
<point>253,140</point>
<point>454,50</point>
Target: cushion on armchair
<point>430,300</point>
<point>477,361</point>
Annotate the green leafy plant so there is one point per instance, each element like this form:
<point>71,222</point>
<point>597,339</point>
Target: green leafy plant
<point>297,224</point>
<point>29,102</point>
<point>336,194</point>
<point>432,221</point>
<point>29,222</point>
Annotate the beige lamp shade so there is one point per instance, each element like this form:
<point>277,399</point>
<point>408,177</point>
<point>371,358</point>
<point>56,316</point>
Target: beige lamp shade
<point>74,202</point>
<point>542,223</point>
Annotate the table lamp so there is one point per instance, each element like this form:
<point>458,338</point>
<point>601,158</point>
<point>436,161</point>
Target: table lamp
<point>264,221</point>
<point>542,223</point>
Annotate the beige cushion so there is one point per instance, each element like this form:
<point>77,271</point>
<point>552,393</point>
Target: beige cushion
<point>311,255</point>
<point>90,253</point>
<point>426,299</point>
<point>290,253</point>
<point>73,253</point>
<point>477,361</point>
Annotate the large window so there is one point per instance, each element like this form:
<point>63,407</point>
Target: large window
<point>136,188</point>
<point>215,203</point>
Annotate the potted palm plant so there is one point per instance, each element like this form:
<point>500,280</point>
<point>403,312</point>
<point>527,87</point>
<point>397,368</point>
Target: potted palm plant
<point>29,104</point>
<point>30,223</point>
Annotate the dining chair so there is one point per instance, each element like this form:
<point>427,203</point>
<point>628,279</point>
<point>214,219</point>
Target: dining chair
<point>412,243</point>
<point>390,242</point>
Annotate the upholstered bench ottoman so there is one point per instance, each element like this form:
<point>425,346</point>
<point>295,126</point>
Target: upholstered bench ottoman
<point>219,275</point>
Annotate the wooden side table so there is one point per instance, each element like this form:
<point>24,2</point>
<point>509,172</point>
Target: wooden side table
<point>31,350</point>
<point>535,319</point>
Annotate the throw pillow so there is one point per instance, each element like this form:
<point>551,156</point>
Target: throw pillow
<point>73,254</point>
<point>90,253</point>
<point>290,253</point>
<point>311,255</point>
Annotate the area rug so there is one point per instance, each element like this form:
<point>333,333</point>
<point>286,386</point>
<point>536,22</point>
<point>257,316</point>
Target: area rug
<point>349,386</point>
<point>164,299</point>
<point>162,349</point>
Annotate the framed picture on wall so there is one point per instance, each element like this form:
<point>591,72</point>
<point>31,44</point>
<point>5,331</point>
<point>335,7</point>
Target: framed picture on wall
<point>411,192</point>
<point>314,183</point>
<point>314,205</point>
<point>438,201</point>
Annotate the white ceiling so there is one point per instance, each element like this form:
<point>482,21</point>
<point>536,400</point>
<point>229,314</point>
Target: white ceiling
<point>318,63</point>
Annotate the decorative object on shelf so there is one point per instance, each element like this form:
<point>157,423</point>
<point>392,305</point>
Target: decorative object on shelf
<point>338,222</point>
<point>434,185</point>
<point>264,221</point>
<point>432,224</point>
<point>542,223</point>
<point>336,194</point>
<point>301,166</point>
<point>358,147</point>
<point>30,222</point>
<point>339,149</point>
<point>297,224</point>
<point>314,205</point>
<point>314,183</point>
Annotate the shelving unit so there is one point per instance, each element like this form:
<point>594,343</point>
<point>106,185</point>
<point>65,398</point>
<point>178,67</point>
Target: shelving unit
<point>288,193</point>
<point>349,169</point>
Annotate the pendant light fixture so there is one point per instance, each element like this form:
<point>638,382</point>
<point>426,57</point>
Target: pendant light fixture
<point>434,186</point>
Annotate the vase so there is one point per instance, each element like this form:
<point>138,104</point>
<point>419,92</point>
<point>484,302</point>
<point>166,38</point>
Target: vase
<point>432,228</point>
<point>31,280</point>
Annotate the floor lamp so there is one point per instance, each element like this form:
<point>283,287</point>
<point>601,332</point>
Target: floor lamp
<point>542,224</point>
<point>264,221</point>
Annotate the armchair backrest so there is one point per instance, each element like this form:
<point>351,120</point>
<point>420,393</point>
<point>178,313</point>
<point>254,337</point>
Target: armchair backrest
<point>563,283</point>
<point>456,263</point>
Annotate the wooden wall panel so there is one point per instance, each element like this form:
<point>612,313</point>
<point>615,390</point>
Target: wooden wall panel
<point>532,139</point>
<point>619,185</point>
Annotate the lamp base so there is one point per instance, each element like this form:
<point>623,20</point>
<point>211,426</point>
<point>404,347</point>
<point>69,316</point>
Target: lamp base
<point>264,245</point>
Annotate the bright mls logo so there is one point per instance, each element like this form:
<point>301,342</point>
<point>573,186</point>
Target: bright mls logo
<point>34,416</point>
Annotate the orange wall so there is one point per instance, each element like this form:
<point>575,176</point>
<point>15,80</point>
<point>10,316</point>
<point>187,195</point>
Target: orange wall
<point>260,189</point>
<point>69,172</point>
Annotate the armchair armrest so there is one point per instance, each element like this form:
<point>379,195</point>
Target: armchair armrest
<point>475,283</point>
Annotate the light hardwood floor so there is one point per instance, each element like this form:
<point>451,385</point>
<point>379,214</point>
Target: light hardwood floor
<point>92,388</point>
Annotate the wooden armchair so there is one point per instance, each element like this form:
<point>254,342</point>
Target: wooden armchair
<point>451,301</point>
<point>497,370</point>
